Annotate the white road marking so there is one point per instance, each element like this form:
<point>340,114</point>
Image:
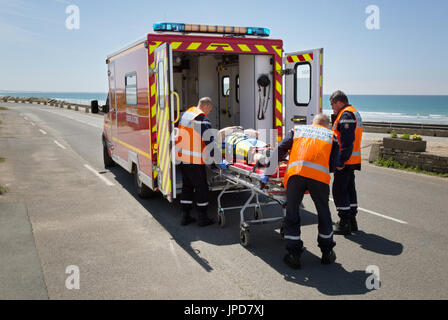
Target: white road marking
<point>33,124</point>
<point>59,145</point>
<point>43,132</point>
<point>25,118</point>
<point>379,215</point>
<point>105,180</point>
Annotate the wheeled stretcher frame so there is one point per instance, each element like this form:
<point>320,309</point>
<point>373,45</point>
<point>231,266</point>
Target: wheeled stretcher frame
<point>240,180</point>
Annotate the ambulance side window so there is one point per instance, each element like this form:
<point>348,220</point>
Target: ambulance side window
<point>130,82</point>
<point>302,83</point>
<point>237,88</point>
<point>161,84</point>
<point>225,85</point>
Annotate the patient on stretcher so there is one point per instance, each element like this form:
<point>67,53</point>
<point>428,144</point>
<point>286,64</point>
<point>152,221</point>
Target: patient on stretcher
<point>242,148</point>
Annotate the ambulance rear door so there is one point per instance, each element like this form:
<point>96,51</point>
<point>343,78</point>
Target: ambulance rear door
<point>303,86</point>
<point>166,169</point>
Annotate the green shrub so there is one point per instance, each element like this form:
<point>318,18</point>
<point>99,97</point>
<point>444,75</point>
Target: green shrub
<point>393,134</point>
<point>391,163</point>
<point>404,136</point>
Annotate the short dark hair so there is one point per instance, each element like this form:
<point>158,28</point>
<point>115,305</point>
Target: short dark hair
<point>339,96</point>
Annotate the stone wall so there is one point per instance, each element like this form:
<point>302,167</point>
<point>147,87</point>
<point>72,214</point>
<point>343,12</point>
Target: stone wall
<point>424,160</point>
<point>423,132</point>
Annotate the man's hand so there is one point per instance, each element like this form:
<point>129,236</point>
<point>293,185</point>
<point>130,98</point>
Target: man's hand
<point>223,165</point>
<point>265,178</point>
<point>340,168</point>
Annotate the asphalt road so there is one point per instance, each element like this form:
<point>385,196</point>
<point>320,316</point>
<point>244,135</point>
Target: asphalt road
<point>128,248</point>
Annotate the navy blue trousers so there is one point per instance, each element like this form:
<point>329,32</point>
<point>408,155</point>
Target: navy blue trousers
<point>344,192</point>
<point>194,187</point>
<point>296,188</point>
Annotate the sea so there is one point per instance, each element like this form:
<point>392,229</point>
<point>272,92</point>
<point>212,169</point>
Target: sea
<point>424,109</point>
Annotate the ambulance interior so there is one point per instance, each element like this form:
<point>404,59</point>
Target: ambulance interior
<point>231,81</point>
<point>240,86</point>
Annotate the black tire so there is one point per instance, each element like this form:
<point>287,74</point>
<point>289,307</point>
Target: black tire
<point>143,191</point>
<point>221,218</point>
<point>108,161</point>
<point>244,237</point>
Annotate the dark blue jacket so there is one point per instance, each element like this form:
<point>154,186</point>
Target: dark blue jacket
<point>347,127</point>
<point>206,125</point>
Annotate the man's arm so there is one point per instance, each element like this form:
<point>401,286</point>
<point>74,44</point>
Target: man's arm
<point>347,127</point>
<point>280,153</point>
<point>334,154</point>
<point>209,138</point>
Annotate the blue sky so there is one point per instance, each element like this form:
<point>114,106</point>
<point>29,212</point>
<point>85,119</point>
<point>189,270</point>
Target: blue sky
<point>407,55</point>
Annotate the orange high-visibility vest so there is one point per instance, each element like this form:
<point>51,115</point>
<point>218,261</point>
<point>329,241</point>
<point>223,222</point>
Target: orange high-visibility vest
<point>355,157</point>
<point>189,144</point>
<point>310,153</point>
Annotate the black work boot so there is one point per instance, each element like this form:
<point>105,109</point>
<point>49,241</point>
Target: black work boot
<point>353,224</point>
<point>328,257</point>
<point>343,227</point>
<point>186,218</point>
<point>292,260</point>
<point>204,220</point>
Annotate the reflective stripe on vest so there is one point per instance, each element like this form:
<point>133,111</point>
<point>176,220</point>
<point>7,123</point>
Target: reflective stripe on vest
<point>308,164</point>
<point>189,144</point>
<point>310,154</point>
<point>355,157</point>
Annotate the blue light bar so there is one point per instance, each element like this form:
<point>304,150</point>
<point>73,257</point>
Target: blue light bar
<point>202,28</point>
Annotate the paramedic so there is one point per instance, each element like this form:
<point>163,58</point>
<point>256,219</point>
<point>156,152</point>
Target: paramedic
<point>190,149</point>
<point>311,159</point>
<point>347,127</point>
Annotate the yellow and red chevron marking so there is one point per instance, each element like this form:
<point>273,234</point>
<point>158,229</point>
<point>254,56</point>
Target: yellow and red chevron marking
<point>217,45</point>
<point>209,46</point>
<point>300,58</point>
<point>163,135</point>
<point>278,96</point>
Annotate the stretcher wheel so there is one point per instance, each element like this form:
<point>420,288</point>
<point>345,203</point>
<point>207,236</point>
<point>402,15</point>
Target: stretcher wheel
<point>258,213</point>
<point>244,237</point>
<point>221,218</point>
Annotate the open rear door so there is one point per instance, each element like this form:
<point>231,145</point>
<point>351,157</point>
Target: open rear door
<point>303,86</point>
<point>166,173</point>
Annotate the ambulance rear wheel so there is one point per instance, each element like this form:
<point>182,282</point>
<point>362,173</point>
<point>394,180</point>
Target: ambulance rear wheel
<point>143,191</point>
<point>108,161</point>
<point>244,237</point>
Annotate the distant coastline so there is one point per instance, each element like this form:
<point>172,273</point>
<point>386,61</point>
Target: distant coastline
<point>426,109</point>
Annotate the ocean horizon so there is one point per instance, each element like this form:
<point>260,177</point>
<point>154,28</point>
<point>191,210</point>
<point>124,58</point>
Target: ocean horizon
<point>428,109</point>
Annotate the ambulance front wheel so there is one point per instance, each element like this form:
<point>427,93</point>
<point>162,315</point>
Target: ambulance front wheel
<point>108,161</point>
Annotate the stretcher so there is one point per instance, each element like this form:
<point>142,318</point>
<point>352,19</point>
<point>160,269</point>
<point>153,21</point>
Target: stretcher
<point>240,178</point>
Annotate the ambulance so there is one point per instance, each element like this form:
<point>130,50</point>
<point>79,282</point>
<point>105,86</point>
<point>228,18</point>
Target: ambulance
<point>252,82</point>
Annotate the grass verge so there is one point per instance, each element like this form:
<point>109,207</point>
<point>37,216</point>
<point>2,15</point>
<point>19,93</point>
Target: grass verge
<point>3,108</point>
<point>2,189</point>
<point>391,163</point>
